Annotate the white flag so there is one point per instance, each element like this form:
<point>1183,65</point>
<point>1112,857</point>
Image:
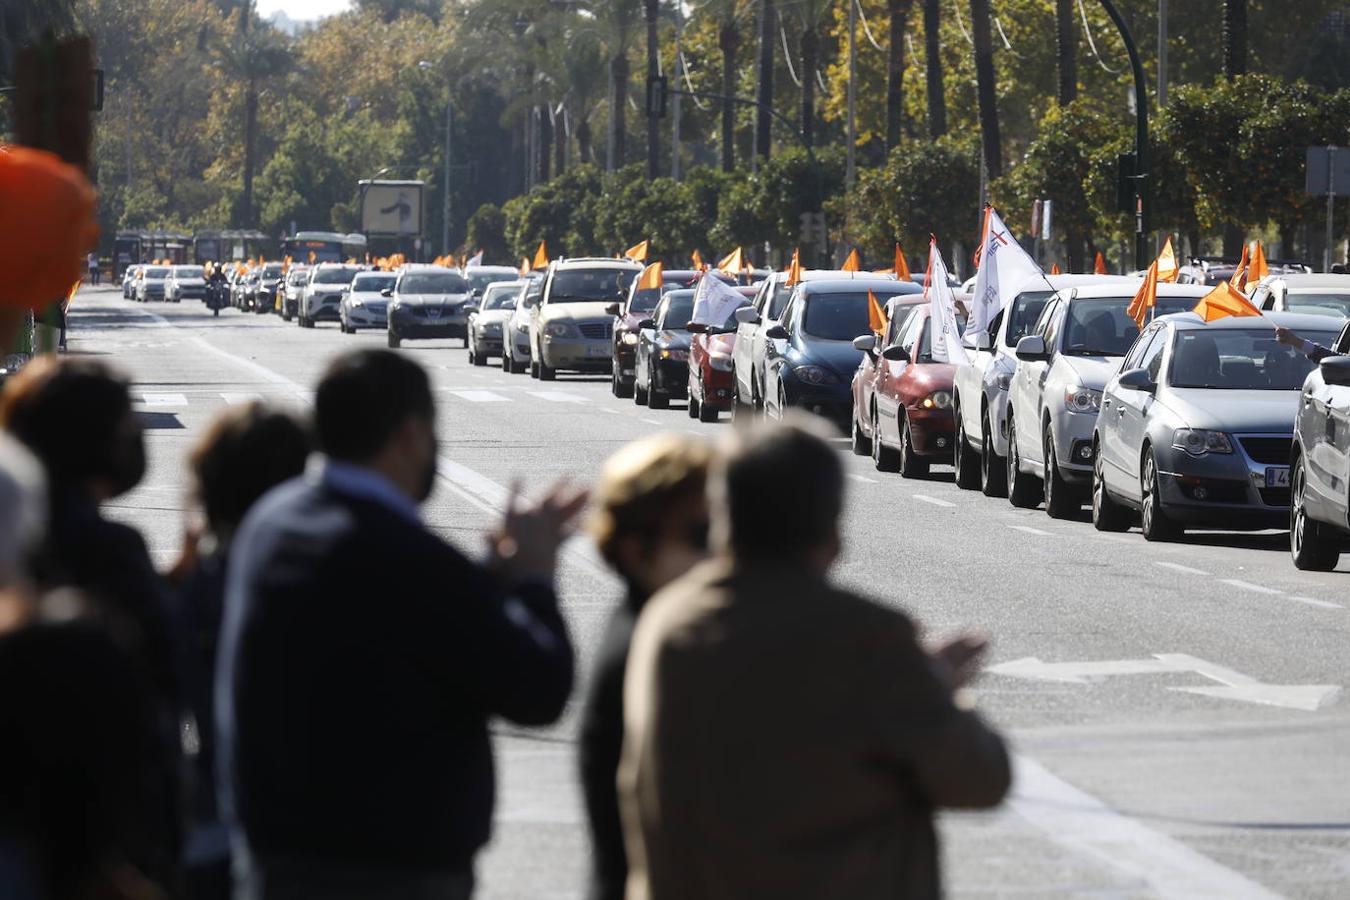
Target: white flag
<point>1004,267</point>
<point>716,301</point>
<point>942,311</point>
<point>476,259</point>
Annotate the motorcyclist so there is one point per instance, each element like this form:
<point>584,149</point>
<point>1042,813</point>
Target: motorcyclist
<point>215,289</point>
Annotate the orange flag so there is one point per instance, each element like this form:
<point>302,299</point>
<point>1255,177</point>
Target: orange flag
<point>1239,277</point>
<point>1054,269</point>
<point>1146,298</point>
<point>697,259</point>
<point>853,263</point>
<point>1258,269</point>
<point>901,267</point>
<point>541,256</point>
<point>1099,265</point>
<point>1224,300</point>
<point>876,316</point>
<point>524,266</point>
<point>1167,262</point>
<point>637,252</point>
<point>733,261</point>
<point>650,279</point>
<point>794,272</point>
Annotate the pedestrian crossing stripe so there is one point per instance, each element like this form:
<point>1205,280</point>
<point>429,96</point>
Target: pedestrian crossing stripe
<point>158,398</point>
<point>481,396</point>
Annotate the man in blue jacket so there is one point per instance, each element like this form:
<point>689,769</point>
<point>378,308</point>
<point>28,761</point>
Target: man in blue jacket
<point>362,657</point>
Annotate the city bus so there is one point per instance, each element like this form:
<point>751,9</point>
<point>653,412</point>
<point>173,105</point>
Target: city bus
<point>327,246</point>
<point>210,245</point>
<point>131,247</point>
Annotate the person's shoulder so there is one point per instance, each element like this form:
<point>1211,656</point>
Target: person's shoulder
<point>857,611</point>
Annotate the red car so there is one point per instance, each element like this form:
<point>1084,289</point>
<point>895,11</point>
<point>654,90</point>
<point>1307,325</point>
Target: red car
<point>634,309</point>
<point>911,417</point>
<point>898,309</point>
<point>712,376</point>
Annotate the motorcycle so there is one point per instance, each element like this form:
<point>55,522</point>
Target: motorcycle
<point>217,296</point>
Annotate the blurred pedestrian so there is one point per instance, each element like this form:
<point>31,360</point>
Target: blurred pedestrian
<point>247,450</point>
<point>23,521</point>
<point>785,738</point>
<point>651,526</point>
<point>362,657</point>
<point>92,262</point>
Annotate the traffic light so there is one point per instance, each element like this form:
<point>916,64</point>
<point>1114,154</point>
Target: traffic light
<point>656,96</point>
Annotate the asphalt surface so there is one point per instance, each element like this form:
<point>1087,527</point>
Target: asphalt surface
<point>1147,778</point>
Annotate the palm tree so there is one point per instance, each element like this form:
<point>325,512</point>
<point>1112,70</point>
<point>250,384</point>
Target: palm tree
<point>895,69</point>
<point>652,10</point>
<point>932,51</point>
<point>764,80</point>
<point>727,14</point>
<point>1066,52</point>
<point>1234,38</point>
<point>980,27</point>
<point>812,14</point>
<point>617,21</point>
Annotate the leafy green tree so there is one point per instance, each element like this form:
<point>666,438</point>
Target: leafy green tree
<point>487,232</point>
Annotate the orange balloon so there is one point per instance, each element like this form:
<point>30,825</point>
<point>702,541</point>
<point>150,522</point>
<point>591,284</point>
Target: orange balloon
<point>47,224</point>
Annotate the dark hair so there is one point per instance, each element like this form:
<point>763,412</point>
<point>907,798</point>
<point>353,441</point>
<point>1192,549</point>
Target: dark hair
<point>778,490</point>
<point>70,412</point>
<point>248,450</point>
<point>364,398</point>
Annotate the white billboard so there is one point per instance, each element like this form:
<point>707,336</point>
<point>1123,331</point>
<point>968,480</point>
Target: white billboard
<point>392,208</point>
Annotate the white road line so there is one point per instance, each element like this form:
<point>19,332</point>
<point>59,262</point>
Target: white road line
<point>481,396</point>
<point>1178,567</point>
<point>234,399</point>
<point>936,502</point>
<point>1029,530</point>
<point>1324,604</point>
<point>651,421</point>
<point>606,409</point>
<point>157,398</point>
<point>559,396</point>
<point>863,478</point>
<point>1080,822</point>
<point>1248,586</point>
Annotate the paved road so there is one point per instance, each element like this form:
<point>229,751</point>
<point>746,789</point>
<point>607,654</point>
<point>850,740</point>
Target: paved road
<point>1179,771</point>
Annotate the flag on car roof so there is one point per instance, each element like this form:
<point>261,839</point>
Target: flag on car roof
<point>794,271</point>
<point>1099,264</point>
<point>1146,297</point>
<point>1054,269</point>
<point>697,259</point>
<point>946,340</point>
<point>901,267</point>
<point>650,279</point>
<point>715,302</point>
<point>1225,300</point>
<point>853,263</point>
<point>541,256</point>
<point>876,316</point>
<point>524,266</point>
<point>1258,268</point>
<point>637,252</point>
<point>1239,277</point>
<point>1003,268</point>
<point>1167,262</point>
<point>733,263</point>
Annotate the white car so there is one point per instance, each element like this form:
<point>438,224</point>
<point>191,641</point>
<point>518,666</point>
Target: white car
<point>487,323</point>
<point>571,328</point>
<point>980,389</point>
<point>365,305</point>
<point>185,283</point>
<point>321,300</point>
<point>150,283</point>
<point>1318,295</point>
<point>516,353</point>
<point>479,277</point>
<point>296,280</point>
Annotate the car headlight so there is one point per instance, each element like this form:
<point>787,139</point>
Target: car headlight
<point>355,301</point>
<point>1002,380</point>
<point>1198,441</point>
<point>815,375</point>
<point>937,400</point>
<point>1081,399</point>
<point>630,337</point>
<point>720,362</point>
<point>560,330</point>
<point>677,355</point>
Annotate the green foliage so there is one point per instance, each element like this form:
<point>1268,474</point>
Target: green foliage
<point>487,232</point>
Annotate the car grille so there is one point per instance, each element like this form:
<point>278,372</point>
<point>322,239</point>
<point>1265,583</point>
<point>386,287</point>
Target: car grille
<point>596,331</point>
<point>1270,451</point>
<point>376,308</point>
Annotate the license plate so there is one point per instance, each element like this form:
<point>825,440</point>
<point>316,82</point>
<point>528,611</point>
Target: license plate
<point>1277,476</point>
<point>597,351</point>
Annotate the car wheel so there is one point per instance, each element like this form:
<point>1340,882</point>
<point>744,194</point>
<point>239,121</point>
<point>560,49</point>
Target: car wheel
<point>639,394</point>
<point>707,414</point>
<point>1153,518</point>
<point>547,372</point>
<point>860,443</point>
<point>478,359</point>
<point>657,399</point>
<point>1312,550</point>
<point>394,340</point>
<point>1023,492</point>
<point>993,476</point>
<point>964,461</point>
<point>911,464</point>
<point>1062,500</point>
<point>1107,513</point>
<point>693,406</point>
<point>884,458</point>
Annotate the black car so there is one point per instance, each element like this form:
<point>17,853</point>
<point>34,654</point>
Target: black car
<point>661,369</point>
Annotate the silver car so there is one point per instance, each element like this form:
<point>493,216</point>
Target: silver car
<point>487,323</point>
<point>1319,474</point>
<point>365,305</point>
<point>428,302</point>
<point>571,328</point>
<point>1197,429</point>
<point>1318,295</point>
<point>479,277</point>
<point>321,300</point>
<point>150,283</point>
<point>296,281</point>
<point>516,357</point>
<point>185,283</point>
<point>1056,389</point>
<point>980,388</point>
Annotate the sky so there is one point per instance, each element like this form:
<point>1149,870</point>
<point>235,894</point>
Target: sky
<point>303,9</point>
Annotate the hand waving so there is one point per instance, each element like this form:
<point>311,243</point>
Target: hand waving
<point>525,546</point>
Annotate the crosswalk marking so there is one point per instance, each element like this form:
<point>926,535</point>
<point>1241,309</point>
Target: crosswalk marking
<point>1178,567</point>
<point>1029,530</point>
<point>481,396</point>
<point>559,396</point>
<point>157,398</point>
<point>933,500</point>
<point>234,399</point>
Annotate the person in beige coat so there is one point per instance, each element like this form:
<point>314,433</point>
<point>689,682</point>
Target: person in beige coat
<point>783,738</point>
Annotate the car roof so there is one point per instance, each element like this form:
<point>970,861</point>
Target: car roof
<point>1294,321</point>
<point>821,275</point>
<point>597,262</point>
<point>491,269</point>
<point>837,285</point>
<point>515,284</point>
<point>1297,281</point>
<point>1164,290</point>
<point>1060,282</point>
<point>427,267</point>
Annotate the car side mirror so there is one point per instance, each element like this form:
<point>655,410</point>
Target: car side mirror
<point>647,324</point>
<point>696,328</point>
<point>983,341</point>
<point>1136,380</point>
<point>777,333</point>
<point>895,353</point>
<point>1336,370</point>
<point>867,343</point>
<point>531,302</point>
<point>747,315</point>
<point>612,309</point>
<point>1032,348</point>
<point>387,292</point>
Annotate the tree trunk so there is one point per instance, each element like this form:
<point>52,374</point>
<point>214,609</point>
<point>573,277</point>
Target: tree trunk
<point>250,149</point>
<point>1287,232</point>
<point>584,141</point>
<point>985,87</point>
<point>764,88</point>
<point>895,70</point>
<point>545,143</point>
<point>1233,238</point>
<point>559,145</point>
<point>1073,250</point>
<point>618,107</point>
<point>937,91</point>
<point>653,10</point>
<point>1066,48</point>
<point>809,47</point>
<point>1234,38</point>
<point>727,42</point>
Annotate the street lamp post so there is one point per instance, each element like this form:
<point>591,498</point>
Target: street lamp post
<point>449,136</point>
<point>1140,176</point>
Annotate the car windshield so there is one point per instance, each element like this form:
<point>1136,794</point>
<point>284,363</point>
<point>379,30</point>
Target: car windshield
<point>1023,313</point>
<point>502,298</point>
<point>479,281</point>
<point>272,270</point>
<point>298,277</point>
<point>433,283</point>
<point>187,272</point>
<point>926,344</point>
<point>589,285</point>
<point>840,316</point>
<point>645,300</point>
<point>339,275</point>
<point>1099,326</point>
<point>1319,304</point>
<point>156,272</point>
<point>679,307</point>
<point>372,284</point>
<point>1248,359</point>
